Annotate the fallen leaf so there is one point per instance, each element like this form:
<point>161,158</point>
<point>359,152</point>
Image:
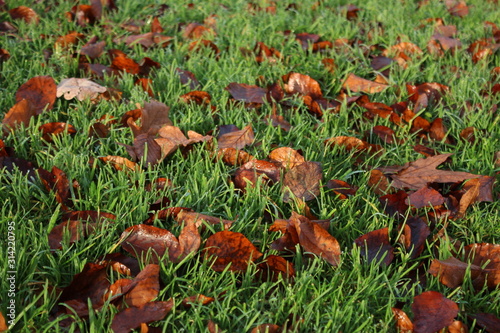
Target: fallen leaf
<point>247,93</point>
<point>425,196</point>
<point>488,321</point>
<point>187,77</point>
<point>303,85</point>
<point>356,84</point>
<point>376,247</point>
<point>303,180</point>
<point>24,13</point>
<point>414,236</point>
<point>119,163</point>
<point>231,249</point>
<point>315,239</point>
<point>403,323</point>
<point>236,139</point>
<point>154,116</point>
<point>196,299</point>
<point>132,318</point>
<point>275,266</point>
<point>19,114</point>
<point>451,272</point>
<point>80,88</point>
<point>56,128</point>
<point>423,171</point>
<point>40,91</point>
<point>267,328</point>
<point>341,188</point>
<point>286,157</point>
<point>432,312</point>
<point>233,156</point>
<point>76,230</point>
<point>145,287</point>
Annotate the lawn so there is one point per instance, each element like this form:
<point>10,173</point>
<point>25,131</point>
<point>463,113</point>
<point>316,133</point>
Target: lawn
<point>235,166</point>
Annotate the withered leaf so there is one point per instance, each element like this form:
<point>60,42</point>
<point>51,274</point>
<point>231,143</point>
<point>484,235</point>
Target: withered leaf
<point>91,283</point>
<point>132,318</point>
<point>356,84</point>
<point>247,93</point>
<point>267,328</point>
<point>230,248</point>
<point>24,13</point>
<point>376,247</point>
<point>315,239</point>
<point>197,299</point>
<point>139,239</point>
<point>145,143</point>
<point>451,272</point>
<point>40,91</point>
<point>56,128</point>
<point>58,182</point>
<point>341,188</point>
<point>432,312</point>
<point>273,267</point>
<point>303,180</point>
<point>287,157</point>
<point>425,196</point>
<point>414,236</point>
<point>234,157</point>
<point>119,163</point>
<point>485,255</point>
<point>488,321</point>
<point>423,171</point>
<point>197,219</point>
<point>304,85</point>
<point>80,88</point>
<point>154,116</point>
<point>403,323</point>
<point>187,77</point>
<point>236,139</point>
<point>76,229</point>
<point>145,286</point>
<point>19,114</point>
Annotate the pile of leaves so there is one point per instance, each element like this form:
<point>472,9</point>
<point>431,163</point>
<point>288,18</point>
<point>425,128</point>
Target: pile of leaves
<point>421,196</point>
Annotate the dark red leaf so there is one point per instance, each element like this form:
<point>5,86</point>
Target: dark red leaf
<point>247,93</point>
<point>432,312</point>
<point>132,318</point>
<point>40,91</point>
<point>376,247</point>
<point>230,248</point>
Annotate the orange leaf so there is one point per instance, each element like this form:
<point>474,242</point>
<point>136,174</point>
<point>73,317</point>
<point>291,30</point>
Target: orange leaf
<point>40,91</point>
<point>356,84</point>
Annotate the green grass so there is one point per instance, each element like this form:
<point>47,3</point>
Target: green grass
<point>354,297</point>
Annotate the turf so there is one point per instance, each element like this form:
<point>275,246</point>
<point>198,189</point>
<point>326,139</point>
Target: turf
<point>356,296</point>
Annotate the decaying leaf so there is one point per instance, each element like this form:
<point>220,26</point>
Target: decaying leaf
<point>376,247</point>
<point>356,84</point>
<point>80,88</point>
<point>432,312</point>
<point>303,180</point>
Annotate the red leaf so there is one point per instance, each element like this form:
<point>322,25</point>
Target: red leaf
<point>375,245</point>
<point>488,321</point>
<point>51,129</point>
<point>24,13</point>
<point>145,286</point>
<point>357,84</point>
<point>286,157</point>
<point>304,85</point>
<point>236,139</point>
<point>132,318</point>
<point>77,230</point>
<point>414,236</point>
<point>247,93</point>
<point>197,299</point>
<point>40,91</point>
<point>230,248</point>
<point>315,239</point>
<point>273,267</point>
<point>425,196</point>
<point>19,114</point>
<point>451,272</point>
<point>432,312</point>
<point>403,323</point>
<point>423,171</point>
<point>56,181</point>
<point>303,181</point>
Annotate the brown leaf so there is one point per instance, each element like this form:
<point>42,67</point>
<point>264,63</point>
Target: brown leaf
<point>186,77</point>
<point>76,229</point>
<point>425,196</point>
<point>247,93</point>
<point>385,133</point>
<point>451,272</point>
<point>233,157</point>
<point>51,129</point>
<point>139,239</point>
<point>249,173</point>
<point>230,248</point>
<point>414,236</point>
<point>303,181</point>
<point>132,318</point>
<point>438,131</point>
<point>80,88</point>
<point>273,267</point>
<point>3,323</point>
<point>315,239</point>
<point>403,323</point>
<point>145,286</point>
<point>119,163</point>
<point>93,50</point>
<point>432,312</point>
<point>24,13</point>
<point>68,40</point>
<point>267,328</point>
<point>58,182</point>
<point>488,321</point>
<point>145,143</point>
<point>487,256</point>
<point>125,64</point>
<point>341,188</point>
<point>278,121</point>
<point>356,84</point>
<point>197,299</point>
<point>457,8</point>
<point>376,247</point>
<point>395,203</point>
<point>190,217</point>
<point>303,85</point>
<point>236,139</point>
<point>154,116</point>
<point>197,97</point>
<point>92,283</point>
<point>378,182</point>
<point>19,114</point>
<point>423,171</point>
<point>286,157</point>
<point>40,91</point>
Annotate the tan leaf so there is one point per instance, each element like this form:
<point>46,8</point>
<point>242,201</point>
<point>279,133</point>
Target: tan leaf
<point>80,88</point>
<point>356,84</point>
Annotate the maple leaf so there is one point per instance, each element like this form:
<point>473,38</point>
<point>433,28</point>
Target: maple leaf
<point>423,171</point>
